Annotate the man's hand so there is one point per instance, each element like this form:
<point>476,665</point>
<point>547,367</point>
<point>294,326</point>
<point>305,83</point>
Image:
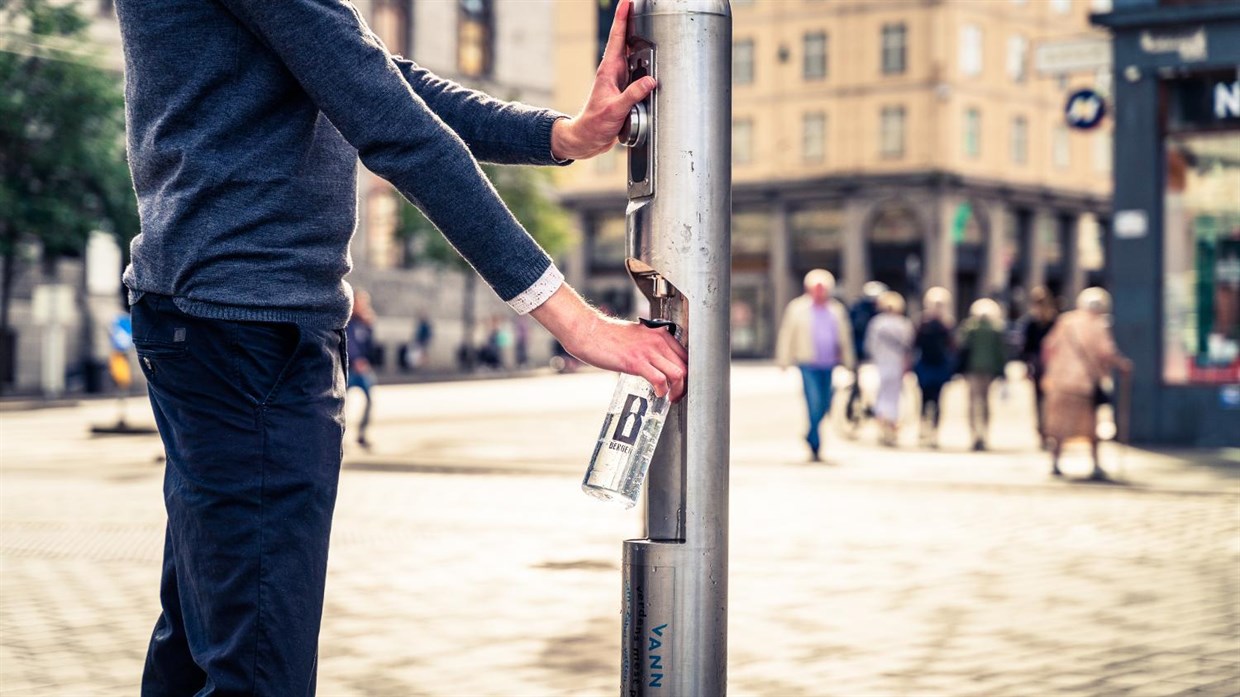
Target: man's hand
<point>613,344</point>
<point>594,130</point>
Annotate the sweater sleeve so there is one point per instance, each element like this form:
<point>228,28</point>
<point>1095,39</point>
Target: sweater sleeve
<point>352,79</point>
<point>499,132</point>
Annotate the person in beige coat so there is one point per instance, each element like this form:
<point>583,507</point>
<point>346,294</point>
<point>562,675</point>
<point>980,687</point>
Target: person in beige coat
<point>1078,353</point>
<point>815,336</point>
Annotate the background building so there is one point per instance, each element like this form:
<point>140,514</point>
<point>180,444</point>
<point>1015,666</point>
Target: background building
<point>501,48</point>
<point>908,141</point>
<point>1175,267</point>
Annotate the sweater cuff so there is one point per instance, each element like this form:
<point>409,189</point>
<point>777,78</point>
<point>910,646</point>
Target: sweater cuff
<point>543,134</point>
<point>537,294</point>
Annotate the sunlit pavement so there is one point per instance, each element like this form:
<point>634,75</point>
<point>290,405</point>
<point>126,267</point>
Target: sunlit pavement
<point>466,561</point>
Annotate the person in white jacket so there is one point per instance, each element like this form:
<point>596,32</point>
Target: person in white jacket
<point>816,336</point>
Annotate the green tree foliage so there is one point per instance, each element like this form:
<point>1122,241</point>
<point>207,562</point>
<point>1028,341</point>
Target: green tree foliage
<point>526,191</point>
<point>62,152</point>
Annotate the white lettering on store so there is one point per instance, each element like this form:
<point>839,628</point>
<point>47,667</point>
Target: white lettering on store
<point>1227,100</point>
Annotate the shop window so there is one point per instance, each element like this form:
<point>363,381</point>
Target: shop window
<point>817,238</point>
<point>390,21</point>
<point>742,141</point>
<point>1201,258</point>
<point>474,38</point>
<point>1020,140</point>
<point>751,233</point>
<point>972,133</point>
<point>606,245</point>
<point>895,48</point>
<point>604,16</point>
<point>891,133</point>
<point>815,67</point>
<point>970,50</point>
<point>742,62</point>
<point>814,135</point>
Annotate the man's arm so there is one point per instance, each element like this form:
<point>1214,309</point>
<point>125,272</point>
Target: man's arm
<point>513,133</point>
<point>499,132</point>
<point>612,344</point>
<point>351,78</point>
<point>354,82</point>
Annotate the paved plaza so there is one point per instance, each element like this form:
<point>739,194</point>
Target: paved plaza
<point>466,560</point>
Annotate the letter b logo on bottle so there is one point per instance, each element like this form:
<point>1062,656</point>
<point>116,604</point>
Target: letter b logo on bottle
<point>631,419</point>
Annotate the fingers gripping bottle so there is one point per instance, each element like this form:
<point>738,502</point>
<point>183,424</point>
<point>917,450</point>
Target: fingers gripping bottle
<point>629,435</point>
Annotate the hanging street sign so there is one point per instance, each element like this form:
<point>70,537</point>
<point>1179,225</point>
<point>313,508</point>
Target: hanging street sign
<point>1085,109</point>
<point>1072,56</point>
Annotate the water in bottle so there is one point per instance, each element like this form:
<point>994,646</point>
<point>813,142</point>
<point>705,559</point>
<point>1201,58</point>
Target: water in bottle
<point>626,443</point>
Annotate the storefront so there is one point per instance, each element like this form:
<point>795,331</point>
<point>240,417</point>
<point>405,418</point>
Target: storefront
<point>1175,256</point>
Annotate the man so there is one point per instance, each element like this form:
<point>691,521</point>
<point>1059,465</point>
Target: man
<point>245,121</point>
<point>816,336</point>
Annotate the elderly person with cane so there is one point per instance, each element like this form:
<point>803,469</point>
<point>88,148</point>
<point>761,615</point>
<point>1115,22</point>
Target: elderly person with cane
<point>1078,353</point>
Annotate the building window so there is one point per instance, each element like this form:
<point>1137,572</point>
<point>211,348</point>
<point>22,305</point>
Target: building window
<point>814,136</point>
<point>1017,57</point>
<point>895,48</point>
<point>742,62</point>
<point>1061,153</point>
<point>390,21</point>
<point>605,14</point>
<point>1061,7</point>
<point>970,50</point>
<point>815,56</point>
<point>1102,152</point>
<point>972,133</point>
<point>742,141</point>
<point>891,133</point>
<point>1020,140</point>
<point>474,37</point>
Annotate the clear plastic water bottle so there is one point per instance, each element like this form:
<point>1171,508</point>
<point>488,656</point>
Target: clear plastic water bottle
<point>627,440</point>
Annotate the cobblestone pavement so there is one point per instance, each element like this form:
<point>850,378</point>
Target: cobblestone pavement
<point>465,561</point>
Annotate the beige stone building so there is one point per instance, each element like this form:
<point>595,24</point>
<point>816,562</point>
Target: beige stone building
<point>909,141</point>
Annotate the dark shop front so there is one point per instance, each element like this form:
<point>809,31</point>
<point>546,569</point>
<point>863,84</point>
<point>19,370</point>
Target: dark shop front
<point>1174,260</point>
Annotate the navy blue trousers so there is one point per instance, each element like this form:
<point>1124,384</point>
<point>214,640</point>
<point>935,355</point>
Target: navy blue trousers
<point>251,417</point>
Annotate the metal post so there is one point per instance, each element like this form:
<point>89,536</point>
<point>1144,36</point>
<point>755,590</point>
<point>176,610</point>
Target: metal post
<point>679,255</point>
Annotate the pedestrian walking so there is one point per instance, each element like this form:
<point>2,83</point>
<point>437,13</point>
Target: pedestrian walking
<point>423,333</point>
<point>859,316</point>
<point>982,360</point>
<point>935,352</point>
<point>359,335</point>
<point>1043,310</point>
<point>245,121</point>
<point>816,336</point>
<point>889,343</point>
<point>1079,354</point>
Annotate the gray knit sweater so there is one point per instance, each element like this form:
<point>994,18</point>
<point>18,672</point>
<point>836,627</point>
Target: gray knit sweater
<point>245,122</point>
